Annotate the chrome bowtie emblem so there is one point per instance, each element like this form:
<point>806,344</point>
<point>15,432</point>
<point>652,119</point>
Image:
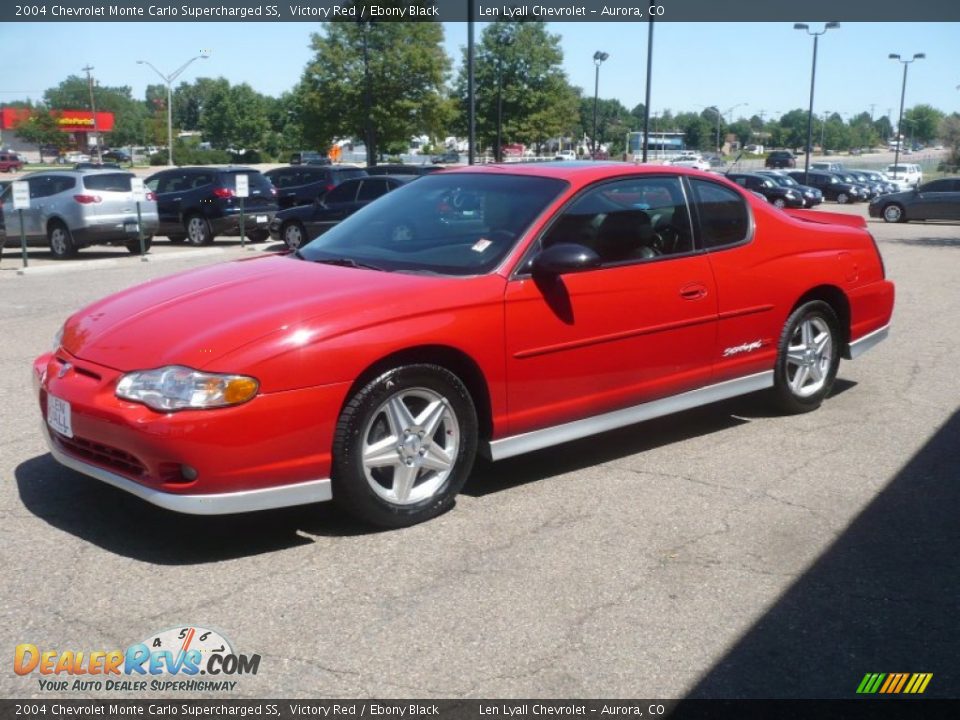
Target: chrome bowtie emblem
<point>64,369</point>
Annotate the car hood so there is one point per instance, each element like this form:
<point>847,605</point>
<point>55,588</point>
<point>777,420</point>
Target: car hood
<point>198,317</point>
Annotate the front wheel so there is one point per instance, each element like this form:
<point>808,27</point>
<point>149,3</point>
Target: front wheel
<point>808,356</point>
<point>780,203</point>
<point>293,235</point>
<point>843,198</point>
<point>404,446</point>
<point>893,213</point>
<point>198,230</point>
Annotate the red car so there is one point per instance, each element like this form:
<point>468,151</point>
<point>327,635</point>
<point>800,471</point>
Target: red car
<point>499,310</point>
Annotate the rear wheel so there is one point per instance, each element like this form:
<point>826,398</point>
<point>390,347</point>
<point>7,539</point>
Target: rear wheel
<point>198,230</point>
<point>133,246</point>
<point>404,446</point>
<point>61,241</point>
<point>808,356</point>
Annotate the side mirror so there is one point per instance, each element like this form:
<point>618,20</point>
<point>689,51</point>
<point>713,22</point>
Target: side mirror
<point>564,258</point>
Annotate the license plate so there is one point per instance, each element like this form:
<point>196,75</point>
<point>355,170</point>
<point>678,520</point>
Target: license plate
<point>261,219</point>
<point>130,227</point>
<point>58,415</point>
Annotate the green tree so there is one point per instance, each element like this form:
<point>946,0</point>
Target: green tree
<point>884,128</point>
<point>234,116</point>
<point>922,123</point>
<point>524,63</point>
<point>614,121</point>
<point>381,79</point>
<point>949,132</point>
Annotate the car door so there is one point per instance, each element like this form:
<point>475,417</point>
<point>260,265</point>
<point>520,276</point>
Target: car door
<point>936,200</point>
<point>169,188</point>
<point>332,208</point>
<point>640,327</point>
<point>748,326</point>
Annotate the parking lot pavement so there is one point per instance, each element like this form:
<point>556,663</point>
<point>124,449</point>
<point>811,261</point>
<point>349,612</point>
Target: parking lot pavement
<point>40,260</point>
<point>723,552</point>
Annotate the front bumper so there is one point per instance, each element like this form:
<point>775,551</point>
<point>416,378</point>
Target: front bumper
<point>273,451</point>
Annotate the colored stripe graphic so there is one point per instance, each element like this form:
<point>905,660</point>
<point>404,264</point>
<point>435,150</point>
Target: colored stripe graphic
<point>894,683</point>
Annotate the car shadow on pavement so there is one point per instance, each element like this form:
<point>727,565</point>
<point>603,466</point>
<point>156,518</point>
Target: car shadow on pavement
<point>125,525</point>
<point>882,598</point>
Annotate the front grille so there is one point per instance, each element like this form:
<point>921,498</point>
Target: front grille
<point>100,454</point>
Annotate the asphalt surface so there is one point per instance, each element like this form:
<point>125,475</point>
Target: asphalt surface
<point>723,552</point>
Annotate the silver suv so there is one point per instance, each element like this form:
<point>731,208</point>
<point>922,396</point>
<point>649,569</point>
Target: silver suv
<point>71,209</point>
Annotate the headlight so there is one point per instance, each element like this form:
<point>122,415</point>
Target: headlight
<point>180,388</point>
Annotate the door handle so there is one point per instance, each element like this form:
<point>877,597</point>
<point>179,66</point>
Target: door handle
<point>693,291</point>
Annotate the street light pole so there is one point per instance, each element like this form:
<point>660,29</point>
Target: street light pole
<point>813,79</point>
<point>168,80</point>
<point>93,113</point>
<point>598,59</point>
<point>903,95</point>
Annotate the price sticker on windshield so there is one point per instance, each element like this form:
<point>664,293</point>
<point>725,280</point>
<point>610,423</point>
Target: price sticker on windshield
<point>243,186</point>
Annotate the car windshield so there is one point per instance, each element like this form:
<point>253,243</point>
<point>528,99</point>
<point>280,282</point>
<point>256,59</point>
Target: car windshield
<point>445,223</point>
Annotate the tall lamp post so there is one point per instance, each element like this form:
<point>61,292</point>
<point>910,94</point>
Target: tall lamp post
<point>730,110</point>
<point>598,60</point>
<point>813,79</point>
<point>903,94</point>
<point>168,81</point>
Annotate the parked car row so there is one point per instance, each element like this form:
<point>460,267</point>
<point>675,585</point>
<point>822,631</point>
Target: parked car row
<point>935,200</point>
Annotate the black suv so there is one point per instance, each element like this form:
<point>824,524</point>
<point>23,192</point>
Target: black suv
<point>780,159</point>
<point>198,203</point>
<point>302,184</point>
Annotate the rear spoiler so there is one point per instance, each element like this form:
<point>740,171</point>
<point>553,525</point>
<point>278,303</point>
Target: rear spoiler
<point>827,218</point>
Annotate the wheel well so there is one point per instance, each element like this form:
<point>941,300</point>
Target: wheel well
<point>835,298</point>
<point>456,361</point>
<point>55,221</point>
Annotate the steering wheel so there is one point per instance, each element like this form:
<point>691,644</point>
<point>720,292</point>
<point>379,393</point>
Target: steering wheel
<point>667,239</point>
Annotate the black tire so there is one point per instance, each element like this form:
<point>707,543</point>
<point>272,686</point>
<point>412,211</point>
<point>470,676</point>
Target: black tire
<point>293,234</point>
<point>780,203</point>
<point>893,213</point>
<point>258,236</point>
<point>791,393</point>
<point>133,246</point>
<point>198,230</point>
<point>362,490</point>
<point>843,198</point>
<point>62,245</point>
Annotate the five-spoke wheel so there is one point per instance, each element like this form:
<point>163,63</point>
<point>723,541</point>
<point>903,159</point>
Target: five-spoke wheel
<point>808,357</point>
<point>404,446</point>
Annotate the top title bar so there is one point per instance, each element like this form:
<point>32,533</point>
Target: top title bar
<point>482,10</point>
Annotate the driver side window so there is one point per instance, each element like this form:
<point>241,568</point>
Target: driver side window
<point>628,220</point>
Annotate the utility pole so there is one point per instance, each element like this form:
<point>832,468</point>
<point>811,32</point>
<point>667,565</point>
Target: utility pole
<point>93,112</point>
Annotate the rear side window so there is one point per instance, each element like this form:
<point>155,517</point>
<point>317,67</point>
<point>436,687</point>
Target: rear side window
<point>256,180</point>
<point>114,182</point>
<point>724,219</point>
<point>372,189</point>
<point>345,173</point>
<point>345,192</point>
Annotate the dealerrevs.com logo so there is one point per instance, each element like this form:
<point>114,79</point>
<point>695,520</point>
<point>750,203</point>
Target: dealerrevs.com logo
<point>187,659</point>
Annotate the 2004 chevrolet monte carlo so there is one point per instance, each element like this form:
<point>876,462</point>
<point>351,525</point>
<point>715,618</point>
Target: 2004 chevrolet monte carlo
<point>498,310</point>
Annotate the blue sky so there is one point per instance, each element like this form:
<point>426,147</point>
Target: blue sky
<point>766,65</point>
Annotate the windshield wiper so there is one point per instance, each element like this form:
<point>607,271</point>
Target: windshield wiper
<point>347,262</point>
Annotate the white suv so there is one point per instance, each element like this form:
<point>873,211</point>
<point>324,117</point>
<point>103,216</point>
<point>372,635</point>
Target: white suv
<point>906,175</point>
